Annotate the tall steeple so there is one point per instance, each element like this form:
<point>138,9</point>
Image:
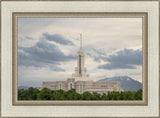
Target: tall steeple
<point>80,70</point>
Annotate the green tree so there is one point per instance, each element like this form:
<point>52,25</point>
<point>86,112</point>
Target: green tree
<point>47,94</point>
<point>23,94</point>
<point>44,94</point>
<point>32,93</point>
<point>87,96</point>
<point>70,95</point>
<point>138,95</point>
<point>96,96</point>
<point>104,97</point>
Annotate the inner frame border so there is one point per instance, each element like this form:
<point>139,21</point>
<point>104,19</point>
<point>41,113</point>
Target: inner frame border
<point>16,15</point>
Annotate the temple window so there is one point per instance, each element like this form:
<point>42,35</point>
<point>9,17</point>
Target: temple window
<point>80,88</point>
<point>71,86</point>
<point>60,86</point>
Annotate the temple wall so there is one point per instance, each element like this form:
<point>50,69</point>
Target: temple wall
<point>83,86</point>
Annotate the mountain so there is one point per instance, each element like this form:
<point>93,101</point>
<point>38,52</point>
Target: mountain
<point>127,83</point>
<point>23,87</point>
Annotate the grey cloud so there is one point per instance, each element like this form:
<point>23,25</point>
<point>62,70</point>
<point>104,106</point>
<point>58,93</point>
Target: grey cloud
<point>43,54</point>
<point>111,66</point>
<point>97,55</point>
<point>97,59</point>
<point>124,59</point>
<point>57,38</point>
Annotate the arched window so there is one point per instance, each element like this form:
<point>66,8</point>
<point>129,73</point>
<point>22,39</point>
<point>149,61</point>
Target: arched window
<point>70,85</point>
<point>60,86</point>
<point>80,88</point>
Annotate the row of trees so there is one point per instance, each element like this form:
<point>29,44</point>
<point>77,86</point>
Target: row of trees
<point>47,94</point>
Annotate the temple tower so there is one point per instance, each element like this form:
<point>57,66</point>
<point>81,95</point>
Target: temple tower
<point>80,70</point>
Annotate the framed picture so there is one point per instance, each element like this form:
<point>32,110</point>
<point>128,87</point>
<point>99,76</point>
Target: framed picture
<point>80,59</point>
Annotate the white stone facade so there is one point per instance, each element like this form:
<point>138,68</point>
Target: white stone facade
<point>83,86</point>
<point>81,82</point>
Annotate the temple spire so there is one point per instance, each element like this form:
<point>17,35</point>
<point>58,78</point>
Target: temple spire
<point>80,41</point>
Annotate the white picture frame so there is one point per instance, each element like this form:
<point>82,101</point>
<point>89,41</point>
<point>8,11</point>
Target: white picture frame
<point>9,110</point>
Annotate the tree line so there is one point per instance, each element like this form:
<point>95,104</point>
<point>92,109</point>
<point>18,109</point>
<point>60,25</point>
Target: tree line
<point>47,94</point>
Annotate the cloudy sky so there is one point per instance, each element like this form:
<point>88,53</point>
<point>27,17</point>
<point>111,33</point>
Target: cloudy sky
<point>47,48</point>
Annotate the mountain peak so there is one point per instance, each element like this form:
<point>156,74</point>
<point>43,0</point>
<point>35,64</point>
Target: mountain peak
<point>127,83</point>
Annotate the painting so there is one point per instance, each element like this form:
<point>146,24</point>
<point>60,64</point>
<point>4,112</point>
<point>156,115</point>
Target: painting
<point>80,58</point>
<point>83,59</point>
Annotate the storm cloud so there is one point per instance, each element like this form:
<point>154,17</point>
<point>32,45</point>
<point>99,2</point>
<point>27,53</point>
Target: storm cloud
<point>57,38</point>
<point>42,54</point>
<point>124,59</point>
<point>96,55</point>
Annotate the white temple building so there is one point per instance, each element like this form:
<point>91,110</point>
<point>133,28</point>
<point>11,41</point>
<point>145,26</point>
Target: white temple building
<point>80,80</point>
